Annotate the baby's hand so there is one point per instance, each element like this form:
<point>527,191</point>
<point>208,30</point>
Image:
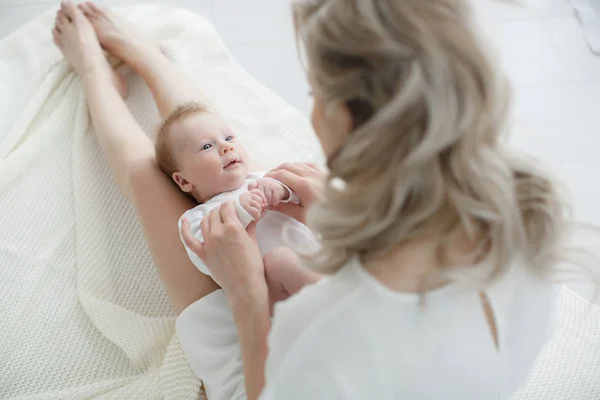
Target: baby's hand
<point>254,202</point>
<point>273,190</point>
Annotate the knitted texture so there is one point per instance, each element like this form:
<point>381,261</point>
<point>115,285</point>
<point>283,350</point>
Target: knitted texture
<point>569,366</point>
<point>84,314</point>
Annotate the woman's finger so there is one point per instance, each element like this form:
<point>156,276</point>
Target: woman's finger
<point>312,166</point>
<point>205,226</point>
<point>273,197</point>
<point>227,213</point>
<point>214,219</point>
<point>297,168</point>
<point>286,177</point>
<point>251,229</point>
<point>191,242</point>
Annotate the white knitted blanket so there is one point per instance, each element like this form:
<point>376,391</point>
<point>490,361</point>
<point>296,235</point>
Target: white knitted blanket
<point>82,311</point>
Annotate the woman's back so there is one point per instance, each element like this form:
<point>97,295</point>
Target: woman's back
<point>325,339</point>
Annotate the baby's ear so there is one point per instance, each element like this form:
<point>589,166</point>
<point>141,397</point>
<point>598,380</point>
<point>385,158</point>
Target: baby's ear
<point>183,183</point>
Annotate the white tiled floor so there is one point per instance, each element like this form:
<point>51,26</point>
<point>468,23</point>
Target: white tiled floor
<point>540,44</point>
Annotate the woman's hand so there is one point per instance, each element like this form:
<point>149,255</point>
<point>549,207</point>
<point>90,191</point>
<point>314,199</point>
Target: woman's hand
<point>306,180</point>
<point>230,252</point>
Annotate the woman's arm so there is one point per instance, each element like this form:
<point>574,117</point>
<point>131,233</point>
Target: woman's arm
<point>233,257</point>
<point>253,322</point>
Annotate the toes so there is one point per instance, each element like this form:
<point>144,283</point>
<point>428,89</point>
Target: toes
<point>94,7</point>
<point>61,19</point>
<point>56,37</point>
<point>70,10</point>
<point>85,9</point>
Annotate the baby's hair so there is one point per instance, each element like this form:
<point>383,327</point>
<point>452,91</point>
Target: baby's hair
<point>162,146</point>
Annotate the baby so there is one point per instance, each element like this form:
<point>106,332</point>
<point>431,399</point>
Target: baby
<point>205,159</point>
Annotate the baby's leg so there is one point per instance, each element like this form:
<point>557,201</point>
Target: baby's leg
<point>285,274</point>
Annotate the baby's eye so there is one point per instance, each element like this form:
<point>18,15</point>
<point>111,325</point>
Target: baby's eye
<point>207,146</point>
<point>229,138</point>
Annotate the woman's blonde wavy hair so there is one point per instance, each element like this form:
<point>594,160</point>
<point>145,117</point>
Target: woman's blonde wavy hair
<point>426,155</point>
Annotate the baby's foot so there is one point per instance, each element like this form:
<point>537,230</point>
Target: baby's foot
<point>75,37</point>
<point>115,34</point>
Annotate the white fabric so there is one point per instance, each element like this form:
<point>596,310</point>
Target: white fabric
<point>352,338</point>
<point>83,312</point>
<point>210,342</point>
<point>271,229</point>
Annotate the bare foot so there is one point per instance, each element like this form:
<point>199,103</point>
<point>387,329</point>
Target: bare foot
<point>117,35</point>
<point>75,37</point>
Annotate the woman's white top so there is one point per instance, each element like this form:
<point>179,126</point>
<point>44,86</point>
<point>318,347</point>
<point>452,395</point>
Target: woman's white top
<point>349,337</point>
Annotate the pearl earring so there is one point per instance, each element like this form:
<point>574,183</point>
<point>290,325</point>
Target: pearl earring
<point>338,184</point>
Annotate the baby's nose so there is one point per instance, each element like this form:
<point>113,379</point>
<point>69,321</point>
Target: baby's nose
<point>226,149</point>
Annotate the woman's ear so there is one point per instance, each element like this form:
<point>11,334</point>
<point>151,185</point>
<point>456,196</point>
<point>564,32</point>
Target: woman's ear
<point>339,122</point>
<point>183,183</point>
<point>342,118</point>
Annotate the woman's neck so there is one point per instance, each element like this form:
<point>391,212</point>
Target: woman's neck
<point>409,266</point>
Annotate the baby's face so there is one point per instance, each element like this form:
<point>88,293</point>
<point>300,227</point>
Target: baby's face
<point>210,159</point>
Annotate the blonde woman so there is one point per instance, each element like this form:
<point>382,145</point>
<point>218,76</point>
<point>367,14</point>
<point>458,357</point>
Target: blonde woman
<point>438,237</point>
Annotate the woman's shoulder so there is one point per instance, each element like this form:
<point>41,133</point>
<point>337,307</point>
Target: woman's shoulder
<point>351,322</point>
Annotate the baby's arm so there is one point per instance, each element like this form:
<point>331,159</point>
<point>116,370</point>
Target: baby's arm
<point>275,191</point>
<point>285,274</point>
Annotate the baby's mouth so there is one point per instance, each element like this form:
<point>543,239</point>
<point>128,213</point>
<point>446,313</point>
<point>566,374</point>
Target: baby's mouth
<point>231,164</point>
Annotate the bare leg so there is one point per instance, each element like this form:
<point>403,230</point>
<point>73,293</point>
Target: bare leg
<point>117,79</point>
<point>168,84</point>
<point>285,274</point>
<point>130,155</point>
